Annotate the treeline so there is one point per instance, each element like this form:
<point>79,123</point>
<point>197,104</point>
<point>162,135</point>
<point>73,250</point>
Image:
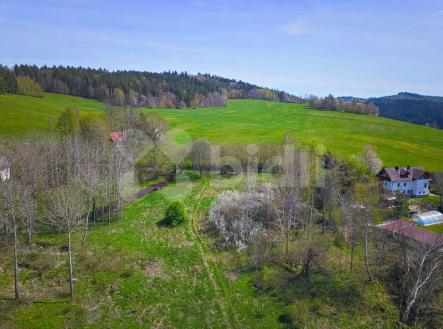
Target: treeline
<point>339,104</point>
<point>413,108</point>
<point>134,88</point>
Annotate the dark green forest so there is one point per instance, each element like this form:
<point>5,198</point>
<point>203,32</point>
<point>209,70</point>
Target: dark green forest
<point>414,108</point>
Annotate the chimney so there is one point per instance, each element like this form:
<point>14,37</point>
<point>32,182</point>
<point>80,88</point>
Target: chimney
<point>397,168</point>
<point>408,167</point>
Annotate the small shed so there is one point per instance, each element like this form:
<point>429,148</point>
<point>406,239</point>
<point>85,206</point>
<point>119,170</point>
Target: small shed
<point>428,218</point>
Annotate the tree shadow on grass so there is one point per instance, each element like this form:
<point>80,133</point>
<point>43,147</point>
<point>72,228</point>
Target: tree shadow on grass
<point>163,223</point>
<point>330,289</point>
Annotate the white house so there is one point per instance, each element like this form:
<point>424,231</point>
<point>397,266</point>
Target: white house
<point>5,171</point>
<point>410,181</point>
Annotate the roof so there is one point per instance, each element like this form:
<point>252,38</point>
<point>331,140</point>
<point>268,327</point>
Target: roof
<point>428,218</point>
<point>396,174</point>
<point>409,230</point>
<point>116,136</point>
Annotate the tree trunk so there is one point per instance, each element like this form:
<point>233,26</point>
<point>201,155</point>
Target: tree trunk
<point>71,279</point>
<point>87,220</point>
<point>93,209</point>
<point>29,231</point>
<point>109,207</point>
<point>16,282</point>
<point>366,251</point>
<point>6,235</point>
<point>352,259</point>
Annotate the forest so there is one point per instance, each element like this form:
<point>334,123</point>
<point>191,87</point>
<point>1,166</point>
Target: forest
<point>414,108</point>
<point>134,88</point>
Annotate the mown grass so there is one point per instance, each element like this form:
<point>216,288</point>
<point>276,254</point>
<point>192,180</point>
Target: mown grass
<point>255,121</point>
<point>21,115</point>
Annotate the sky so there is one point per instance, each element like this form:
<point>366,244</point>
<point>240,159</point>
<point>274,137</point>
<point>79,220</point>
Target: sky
<point>358,48</point>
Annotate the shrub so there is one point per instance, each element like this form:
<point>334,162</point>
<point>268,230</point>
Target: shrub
<point>27,86</point>
<point>175,214</point>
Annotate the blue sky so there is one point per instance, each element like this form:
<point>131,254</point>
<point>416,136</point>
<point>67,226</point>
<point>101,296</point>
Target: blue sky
<point>360,48</point>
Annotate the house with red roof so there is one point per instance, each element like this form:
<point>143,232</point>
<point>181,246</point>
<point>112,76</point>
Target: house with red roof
<point>413,181</point>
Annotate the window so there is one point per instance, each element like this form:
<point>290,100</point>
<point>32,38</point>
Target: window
<point>426,184</point>
<point>404,184</point>
<point>398,184</point>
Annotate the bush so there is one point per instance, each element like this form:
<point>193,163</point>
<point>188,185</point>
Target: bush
<point>27,86</point>
<point>175,214</point>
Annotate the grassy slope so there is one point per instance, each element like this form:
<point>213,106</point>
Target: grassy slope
<point>252,121</point>
<point>20,115</point>
<point>136,274</point>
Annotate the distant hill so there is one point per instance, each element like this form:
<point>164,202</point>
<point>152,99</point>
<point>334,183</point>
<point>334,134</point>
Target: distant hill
<point>409,107</point>
<point>139,88</point>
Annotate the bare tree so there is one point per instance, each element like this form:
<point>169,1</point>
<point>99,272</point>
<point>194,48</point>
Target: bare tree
<point>200,156</point>
<point>64,195</point>
<point>371,162</point>
<point>29,172</point>
<point>311,250</point>
<point>350,226</point>
<point>421,267</point>
<point>10,208</point>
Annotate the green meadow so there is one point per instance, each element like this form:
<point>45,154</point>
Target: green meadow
<point>254,121</point>
<point>21,115</point>
<point>345,134</point>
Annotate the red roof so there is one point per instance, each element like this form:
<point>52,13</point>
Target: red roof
<point>116,136</point>
<point>409,230</point>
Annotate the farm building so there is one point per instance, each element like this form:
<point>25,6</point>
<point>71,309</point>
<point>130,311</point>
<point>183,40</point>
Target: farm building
<point>409,181</point>
<point>428,218</point>
<point>409,230</point>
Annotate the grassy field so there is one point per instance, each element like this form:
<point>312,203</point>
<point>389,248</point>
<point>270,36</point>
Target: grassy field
<point>21,115</point>
<point>135,273</point>
<point>254,121</point>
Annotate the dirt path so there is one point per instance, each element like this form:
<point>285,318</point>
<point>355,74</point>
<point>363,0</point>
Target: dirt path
<point>208,264</point>
<point>149,189</point>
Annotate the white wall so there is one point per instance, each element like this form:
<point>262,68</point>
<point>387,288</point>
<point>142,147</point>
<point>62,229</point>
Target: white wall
<point>416,187</point>
<point>421,187</point>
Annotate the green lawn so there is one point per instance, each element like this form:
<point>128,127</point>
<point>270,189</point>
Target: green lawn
<point>21,115</point>
<point>253,121</point>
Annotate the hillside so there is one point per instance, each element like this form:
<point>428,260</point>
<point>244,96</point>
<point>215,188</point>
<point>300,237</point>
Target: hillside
<point>409,107</point>
<point>21,115</point>
<point>253,121</point>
